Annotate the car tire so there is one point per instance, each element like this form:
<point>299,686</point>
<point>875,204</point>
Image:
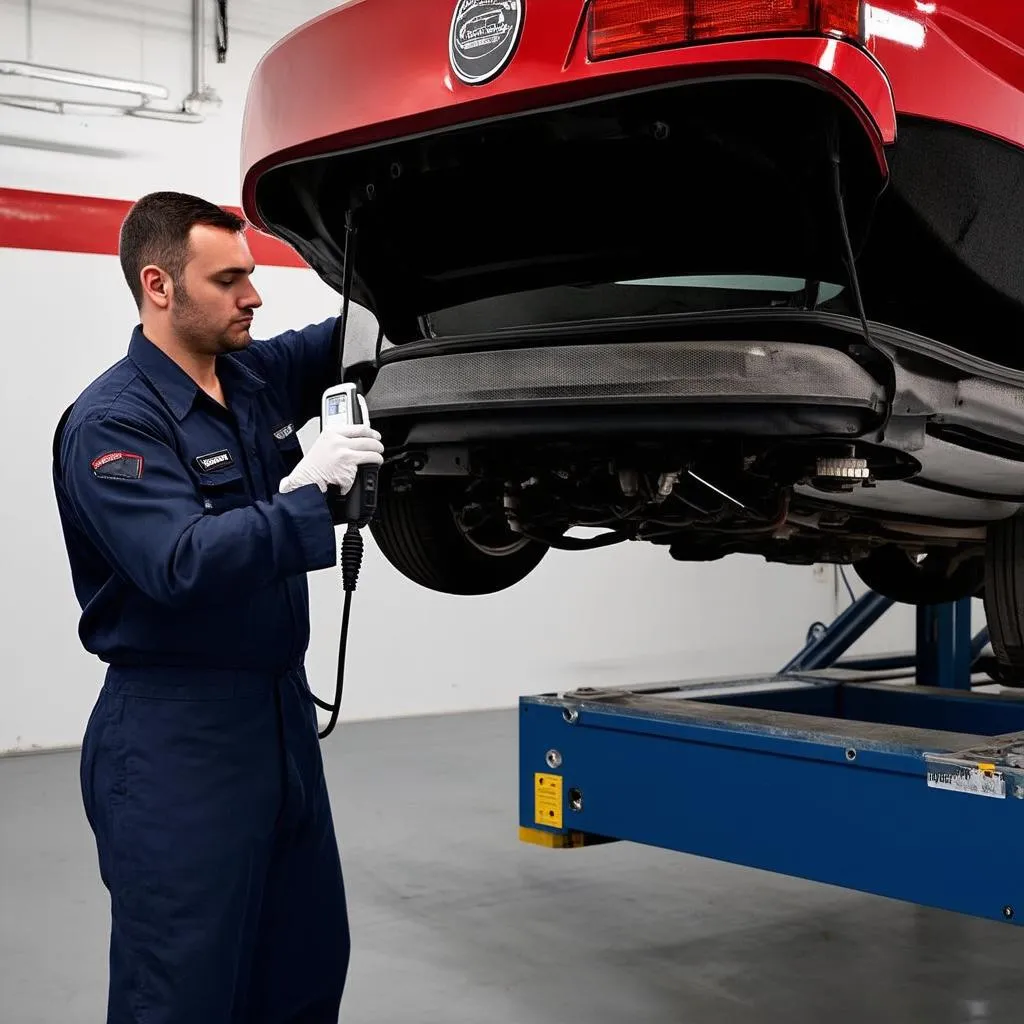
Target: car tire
<point>893,573</point>
<point>418,533</point>
<point>1004,594</point>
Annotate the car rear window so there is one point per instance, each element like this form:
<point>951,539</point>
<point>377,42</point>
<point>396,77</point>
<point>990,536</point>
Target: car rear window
<point>646,297</point>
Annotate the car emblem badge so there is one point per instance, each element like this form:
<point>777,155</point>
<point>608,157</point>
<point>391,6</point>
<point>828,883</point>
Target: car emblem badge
<point>483,37</point>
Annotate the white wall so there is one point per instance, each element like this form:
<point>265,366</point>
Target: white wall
<point>123,157</point>
<point>606,617</point>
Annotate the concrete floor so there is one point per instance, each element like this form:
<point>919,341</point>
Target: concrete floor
<point>455,921</point>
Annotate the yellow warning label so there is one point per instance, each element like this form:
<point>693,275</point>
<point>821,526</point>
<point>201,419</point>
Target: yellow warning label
<point>547,803</point>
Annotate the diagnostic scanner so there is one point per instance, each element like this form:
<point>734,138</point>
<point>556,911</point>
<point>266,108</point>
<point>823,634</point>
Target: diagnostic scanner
<point>341,406</point>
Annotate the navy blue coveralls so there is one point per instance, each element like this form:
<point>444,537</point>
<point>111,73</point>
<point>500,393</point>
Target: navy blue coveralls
<point>200,769</point>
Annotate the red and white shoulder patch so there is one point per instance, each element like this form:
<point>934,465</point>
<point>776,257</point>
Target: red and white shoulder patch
<point>118,466</point>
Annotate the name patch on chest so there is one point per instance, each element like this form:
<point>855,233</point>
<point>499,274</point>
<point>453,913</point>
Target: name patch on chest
<point>214,460</point>
<point>117,466</point>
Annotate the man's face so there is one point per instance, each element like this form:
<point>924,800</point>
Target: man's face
<point>212,304</point>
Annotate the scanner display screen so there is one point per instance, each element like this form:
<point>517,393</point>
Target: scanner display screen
<point>337,405</point>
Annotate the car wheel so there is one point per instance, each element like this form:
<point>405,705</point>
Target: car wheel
<point>932,579</point>
<point>1004,593</point>
<point>419,533</point>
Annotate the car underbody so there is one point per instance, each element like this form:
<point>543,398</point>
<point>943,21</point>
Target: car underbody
<point>794,451</point>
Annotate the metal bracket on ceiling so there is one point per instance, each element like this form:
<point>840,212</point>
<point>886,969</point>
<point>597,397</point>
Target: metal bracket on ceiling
<point>222,31</point>
<point>202,97</point>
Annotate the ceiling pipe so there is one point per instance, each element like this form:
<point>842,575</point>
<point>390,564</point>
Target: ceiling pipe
<point>202,97</point>
<point>155,114</point>
<point>86,80</point>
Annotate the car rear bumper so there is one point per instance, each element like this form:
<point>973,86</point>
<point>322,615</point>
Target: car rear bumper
<point>653,388</point>
<point>794,375</point>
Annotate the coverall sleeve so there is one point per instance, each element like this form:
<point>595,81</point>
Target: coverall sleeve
<point>303,363</point>
<point>150,524</point>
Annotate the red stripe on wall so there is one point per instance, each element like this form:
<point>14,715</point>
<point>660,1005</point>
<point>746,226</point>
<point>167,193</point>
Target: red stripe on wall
<point>69,223</point>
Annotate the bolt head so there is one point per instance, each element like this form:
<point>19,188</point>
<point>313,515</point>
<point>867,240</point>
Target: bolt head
<point>553,759</point>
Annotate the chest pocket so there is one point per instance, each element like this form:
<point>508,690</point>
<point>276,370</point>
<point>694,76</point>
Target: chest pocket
<point>222,490</point>
<point>290,452</point>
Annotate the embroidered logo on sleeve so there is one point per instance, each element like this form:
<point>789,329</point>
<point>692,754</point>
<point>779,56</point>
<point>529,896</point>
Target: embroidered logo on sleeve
<point>282,433</point>
<point>118,466</point>
<point>215,460</point>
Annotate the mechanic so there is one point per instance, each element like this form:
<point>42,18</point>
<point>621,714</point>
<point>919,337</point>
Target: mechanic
<point>191,517</point>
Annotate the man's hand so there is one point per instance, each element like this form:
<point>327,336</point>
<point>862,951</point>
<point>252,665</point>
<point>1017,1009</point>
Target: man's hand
<point>335,457</point>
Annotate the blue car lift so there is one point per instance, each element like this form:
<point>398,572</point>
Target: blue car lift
<point>890,775</point>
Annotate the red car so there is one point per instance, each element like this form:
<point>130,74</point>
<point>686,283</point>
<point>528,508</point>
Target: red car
<point>723,276</point>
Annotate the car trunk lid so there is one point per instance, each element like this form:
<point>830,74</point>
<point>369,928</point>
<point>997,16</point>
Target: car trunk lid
<point>478,227</point>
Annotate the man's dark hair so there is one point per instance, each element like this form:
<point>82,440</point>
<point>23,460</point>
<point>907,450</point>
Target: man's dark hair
<point>156,231</point>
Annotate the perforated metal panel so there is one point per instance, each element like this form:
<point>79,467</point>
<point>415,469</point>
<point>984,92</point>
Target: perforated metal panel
<point>573,374</point>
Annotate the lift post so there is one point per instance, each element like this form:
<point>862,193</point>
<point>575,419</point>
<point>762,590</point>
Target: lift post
<point>849,771</point>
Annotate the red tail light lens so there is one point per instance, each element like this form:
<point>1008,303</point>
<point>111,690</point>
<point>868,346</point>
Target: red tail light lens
<point>715,19</point>
<point>619,27</point>
<point>840,18</point>
<point>627,26</point>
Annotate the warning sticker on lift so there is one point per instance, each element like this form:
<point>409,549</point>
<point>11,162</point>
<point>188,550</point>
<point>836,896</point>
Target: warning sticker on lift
<point>547,800</point>
<point>976,780</point>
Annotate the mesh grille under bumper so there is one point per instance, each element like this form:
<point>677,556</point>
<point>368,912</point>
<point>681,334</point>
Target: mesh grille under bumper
<point>573,375</point>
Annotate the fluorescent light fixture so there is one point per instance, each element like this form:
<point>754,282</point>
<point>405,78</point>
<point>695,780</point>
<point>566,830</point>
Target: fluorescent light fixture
<point>50,105</point>
<point>32,103</point>
<point>82,78</point>
<point>184,116</point>
<point>54,105</point>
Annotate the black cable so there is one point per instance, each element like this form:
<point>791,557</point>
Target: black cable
<point>851,262</point>
<point>352,544</point>
<point>849,589</point>
<point>342,646</point>
<point>347,272</point>
<point>351,561</point>
<point>851,267</point>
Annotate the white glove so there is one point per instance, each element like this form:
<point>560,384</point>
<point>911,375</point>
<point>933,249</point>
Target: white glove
<point>335,457</point>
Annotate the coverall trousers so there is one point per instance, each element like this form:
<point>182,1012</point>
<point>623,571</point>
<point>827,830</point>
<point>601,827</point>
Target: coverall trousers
<point>206,794</point>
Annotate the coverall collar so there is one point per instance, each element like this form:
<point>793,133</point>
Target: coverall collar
<point>174,385</point>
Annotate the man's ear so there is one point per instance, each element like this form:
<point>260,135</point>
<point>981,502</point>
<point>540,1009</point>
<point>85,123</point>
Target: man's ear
<point>157,286</point>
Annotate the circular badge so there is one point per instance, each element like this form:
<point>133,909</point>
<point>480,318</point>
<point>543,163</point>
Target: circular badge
<point>483,37</point>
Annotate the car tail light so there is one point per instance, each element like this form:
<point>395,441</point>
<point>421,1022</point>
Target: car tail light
<point>627,26</point>
<point>619,27</point>
<point>840,18</point>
